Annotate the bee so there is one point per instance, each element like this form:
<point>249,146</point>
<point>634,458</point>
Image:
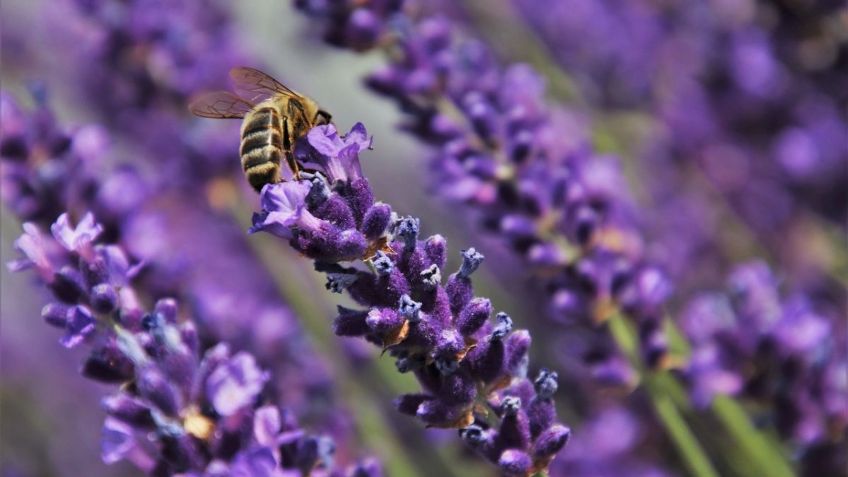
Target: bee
<point>274,118</point>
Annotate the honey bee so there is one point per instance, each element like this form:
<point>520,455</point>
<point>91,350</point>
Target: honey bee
<point>275,117</point>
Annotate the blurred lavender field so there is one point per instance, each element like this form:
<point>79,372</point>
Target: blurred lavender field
<point>660,191</point>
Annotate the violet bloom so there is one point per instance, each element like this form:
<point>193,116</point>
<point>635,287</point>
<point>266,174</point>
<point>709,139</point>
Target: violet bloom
<point>557,203</point>
<point>754,343</point>
<point>441,333</point>
<point>178,410</point>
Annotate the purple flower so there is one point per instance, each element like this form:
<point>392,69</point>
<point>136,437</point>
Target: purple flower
<point>283,209</point>
<point>336,156</point>
<point>235,384</point>
<point>77,239</point>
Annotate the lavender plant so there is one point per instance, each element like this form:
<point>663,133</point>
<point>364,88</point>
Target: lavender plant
<point>178,410</point>
<point>501,149</point>
<point>473,371</point>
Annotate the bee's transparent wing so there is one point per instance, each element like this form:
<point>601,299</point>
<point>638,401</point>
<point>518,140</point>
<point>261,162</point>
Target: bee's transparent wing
<point>219,104</point>
<point>257,86</point>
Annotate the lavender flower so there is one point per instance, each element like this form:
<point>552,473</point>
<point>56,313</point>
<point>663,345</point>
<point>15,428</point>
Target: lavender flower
<point>559,205</point>
<point>752,342</point>
<point>444,335</point>
<point>178,410</point>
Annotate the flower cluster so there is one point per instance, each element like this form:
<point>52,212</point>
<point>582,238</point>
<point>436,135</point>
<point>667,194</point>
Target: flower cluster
<point>788,352</point>
<point>44,168</point>
<point>744,93</point>
<point>472,369</point>
<point>528,169</point>
<point>151,57</point>
<point>179,410</point>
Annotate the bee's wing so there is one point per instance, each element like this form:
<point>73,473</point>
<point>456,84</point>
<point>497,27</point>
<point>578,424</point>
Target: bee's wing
<point>257,86</point>
<point>219,104</point>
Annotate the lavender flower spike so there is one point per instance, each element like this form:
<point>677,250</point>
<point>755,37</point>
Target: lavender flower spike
<point>464,360</point>
<point>178,409</point>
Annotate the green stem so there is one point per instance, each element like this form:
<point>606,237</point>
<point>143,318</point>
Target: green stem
<point>767,458</point>
<point>694,456</point>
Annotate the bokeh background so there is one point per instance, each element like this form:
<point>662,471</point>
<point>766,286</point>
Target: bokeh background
<point>609,65</point>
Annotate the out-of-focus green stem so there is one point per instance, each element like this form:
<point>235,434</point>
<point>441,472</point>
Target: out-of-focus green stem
<point>736,422</point>
<point>691,451</point>
<point>694,456</point>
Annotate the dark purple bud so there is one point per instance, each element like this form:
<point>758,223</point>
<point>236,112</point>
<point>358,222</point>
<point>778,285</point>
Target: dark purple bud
<point>409,403</point>
<point>514,431</point>
<point>517,346</point>
<point>474,316</point>
<point>541,413</point>
<point>514,462</point>
<point>457,388</point>
<point>518,227</point>
<point>189,337</point>
<point>435,248</point>
<point>383,320</point>
<point>382,263</point>
<point>95,271</point>
<point>153,386</point>
<point>471,259</point>
<point>336,211</point>
<point>359,197</point>
<point>551,441</point>
<point>376,220</point>
<point>128,409</point>
<point>362,29</point>
<point>459,291</point>
<point>350,245</point>
<point>68,285</point>
<point>503,326</point>
<point>654,344</point>
<point>436,412</point>
<point>167,308</point>
<point>487,360</point>
<point>431,277</point>
<point>409,309</point>
<point>407,229</point>
<point>584,225</point>
<point>546,383</point>
<point>179,450</point>
<point>521,146</point>
<point>103,298</point>
<point>350,322</point>
<point>56,314</point>
<point>449,344</point>
<point>80,324</point>
<point>106,363</point>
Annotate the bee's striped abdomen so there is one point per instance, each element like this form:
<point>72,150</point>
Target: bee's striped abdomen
<point>261,147</point>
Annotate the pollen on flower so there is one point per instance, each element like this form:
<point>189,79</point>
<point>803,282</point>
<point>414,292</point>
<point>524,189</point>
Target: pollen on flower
<point>197,424</point>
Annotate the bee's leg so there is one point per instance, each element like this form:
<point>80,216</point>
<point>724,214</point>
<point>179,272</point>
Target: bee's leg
<point>293,165</point>
<point>288,147</point>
